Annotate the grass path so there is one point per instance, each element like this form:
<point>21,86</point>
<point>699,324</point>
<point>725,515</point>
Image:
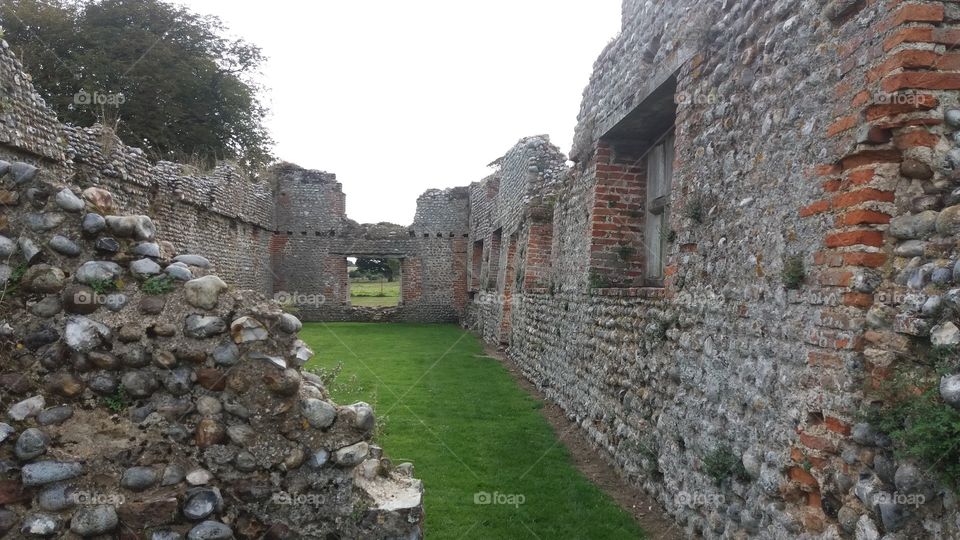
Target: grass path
<point>469,429</point>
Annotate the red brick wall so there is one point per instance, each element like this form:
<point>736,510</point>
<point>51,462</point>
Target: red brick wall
<point>891,112</point>
<point>411,279</point>
<point>617,249</point>
<point>539,250</point>
<point>509,283</point>
<point>476,265</point>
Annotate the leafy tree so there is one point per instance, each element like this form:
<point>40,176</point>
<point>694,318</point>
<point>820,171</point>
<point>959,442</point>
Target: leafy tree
<point>165,77</point>
<point>387,268</point>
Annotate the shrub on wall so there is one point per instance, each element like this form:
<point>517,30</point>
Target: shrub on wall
<point>923,426</point>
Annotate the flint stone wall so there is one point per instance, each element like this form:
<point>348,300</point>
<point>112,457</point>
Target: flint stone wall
<point>270,233</point>
<point>143,396</point>
<point>318,235</point>
<point>789,143</point>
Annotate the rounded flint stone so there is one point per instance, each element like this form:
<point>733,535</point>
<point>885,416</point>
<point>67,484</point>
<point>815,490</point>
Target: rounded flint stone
<point>352,455</point>
<point>952,118</point>
<point>106,244</point>
<point>193,260</point>
<point>55,415</point>
<point>42,221</point>
<point>23,172</point>
<point>204,292</point>
<point>199,326</point>
<point>950,390</point>
<point>318,459</point>
<point>166,535</point>
<point>201,503</point>
<point>57,498</point>
<point>64,246</point>
<point>181,273</point>
<point>96,271</point>
<point>147,249</point>
<point>39,525</point>
<point>94,520</point>
<point>7,247</point>
<point>93,224</point>
<point>47,472</point>
<point>31,443</point>
<point>139,478</point>
<point>144,267</point>
<point>210,530</point>
<point>137,227</point>
<point>290,324</point>
<point>31,253</point>
<point>318,413</point>
<point>226,354</point>
<point>68,200</point>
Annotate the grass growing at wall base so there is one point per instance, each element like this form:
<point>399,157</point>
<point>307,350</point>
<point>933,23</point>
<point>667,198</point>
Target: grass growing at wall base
<point>470,431</point>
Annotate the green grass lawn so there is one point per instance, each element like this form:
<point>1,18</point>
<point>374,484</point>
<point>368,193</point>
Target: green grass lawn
<point>468,428</point>
<point>365,293</point>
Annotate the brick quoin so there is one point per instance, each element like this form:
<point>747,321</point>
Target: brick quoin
<point>815,208</point>
<point>851,238</point>
<point>871,260</point>
<point>899,104</point>
<point>862,217</point>
<point>915,138</point>
<point>921,80</point>
<point>841,125</point>
<point>863,195</point>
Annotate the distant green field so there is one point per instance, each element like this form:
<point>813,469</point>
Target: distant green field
<point>367,294</point>
<point>491,464</point>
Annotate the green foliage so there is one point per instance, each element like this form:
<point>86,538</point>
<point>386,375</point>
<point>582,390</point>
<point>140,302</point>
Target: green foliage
<point>599,281</point>
<point>157,285</point>
<point>103,286</point>
<point>944,360</point>
<point>374,268</point>
<point>12,286</point>
<point>625,252</point>
<point>793,272</point>
<point>695,209</point>
<point>723,463</point>
<point>18,272</point>
<point>910,410</point>
<point>118,401</point>
<point>668,235</point>
<point>167,78</point>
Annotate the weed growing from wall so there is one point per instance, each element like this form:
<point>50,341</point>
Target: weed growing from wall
<point>157,285</point>
<point>793,272</point>
<point>723,463</point>
<point>911,411</point>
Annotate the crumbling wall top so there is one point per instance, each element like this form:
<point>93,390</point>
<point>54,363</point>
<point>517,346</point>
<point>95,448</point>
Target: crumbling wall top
<point>26,122</point>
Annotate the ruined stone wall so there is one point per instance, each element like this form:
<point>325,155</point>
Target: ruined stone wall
<point>314,238</point>
<point>519,195</point>
<point>788,148</point>
<point>140,395</point>
<point>25,120</point>
<point>283,233</point>
<point>222,212</point>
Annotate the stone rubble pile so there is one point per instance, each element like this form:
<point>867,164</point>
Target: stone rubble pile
<point>142,397</point>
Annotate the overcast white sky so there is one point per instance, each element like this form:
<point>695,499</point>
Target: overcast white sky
<point>397,97</point>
